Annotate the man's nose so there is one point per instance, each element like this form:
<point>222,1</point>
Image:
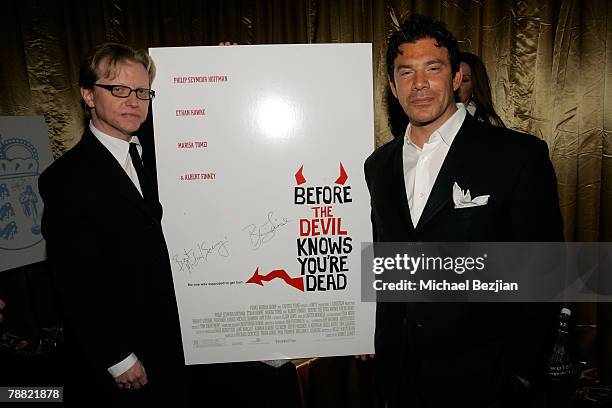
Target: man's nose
<point>132,100</point>
<point>420,81</point>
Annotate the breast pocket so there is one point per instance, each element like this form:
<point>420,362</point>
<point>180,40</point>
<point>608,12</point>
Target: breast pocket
<point>470,224</point>
<point>470,212</point>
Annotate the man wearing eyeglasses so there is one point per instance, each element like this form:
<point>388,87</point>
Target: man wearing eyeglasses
<point>105,245</point>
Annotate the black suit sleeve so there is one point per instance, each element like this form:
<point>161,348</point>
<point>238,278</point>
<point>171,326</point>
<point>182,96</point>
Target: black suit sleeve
<point>535,213</point>
<point>78,249</point>
<point>535,217</point>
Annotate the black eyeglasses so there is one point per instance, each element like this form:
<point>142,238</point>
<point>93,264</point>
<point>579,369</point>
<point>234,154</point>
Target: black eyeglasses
<point>122,91</point>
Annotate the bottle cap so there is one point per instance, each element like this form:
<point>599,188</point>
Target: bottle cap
<point>566,311</point>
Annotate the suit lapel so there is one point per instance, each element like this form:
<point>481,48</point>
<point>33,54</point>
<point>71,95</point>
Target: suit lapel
<point>109,170</point>
<point>400,185</point>
<point>454,165</point>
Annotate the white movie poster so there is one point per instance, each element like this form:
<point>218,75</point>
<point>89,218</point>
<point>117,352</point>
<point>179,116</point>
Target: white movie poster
<point>260,153</point>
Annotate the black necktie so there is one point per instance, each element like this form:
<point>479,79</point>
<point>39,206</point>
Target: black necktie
<point>143,180</point>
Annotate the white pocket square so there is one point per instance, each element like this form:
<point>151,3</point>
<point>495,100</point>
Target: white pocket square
<point>464,200</point>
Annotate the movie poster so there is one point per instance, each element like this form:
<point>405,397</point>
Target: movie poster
<point>260,153</point>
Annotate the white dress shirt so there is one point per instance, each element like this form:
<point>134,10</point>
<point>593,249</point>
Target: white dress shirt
<point>421,166</point>
<point>120,151</point>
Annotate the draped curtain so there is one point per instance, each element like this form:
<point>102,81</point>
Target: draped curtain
<point>548,61</point>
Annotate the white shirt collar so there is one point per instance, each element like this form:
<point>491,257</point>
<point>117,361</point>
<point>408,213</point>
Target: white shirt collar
<point>447,131</point>
<point>119,148</point>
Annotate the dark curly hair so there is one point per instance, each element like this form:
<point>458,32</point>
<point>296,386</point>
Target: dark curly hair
<point>416,28</point>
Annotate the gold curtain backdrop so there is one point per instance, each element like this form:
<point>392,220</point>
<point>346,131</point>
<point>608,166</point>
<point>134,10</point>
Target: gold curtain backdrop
<point>548,61</point>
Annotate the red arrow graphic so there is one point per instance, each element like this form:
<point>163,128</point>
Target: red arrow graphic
<point>297,283</point>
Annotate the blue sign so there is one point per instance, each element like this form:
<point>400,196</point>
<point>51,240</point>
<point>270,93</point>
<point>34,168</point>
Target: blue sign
<point>24,153</point>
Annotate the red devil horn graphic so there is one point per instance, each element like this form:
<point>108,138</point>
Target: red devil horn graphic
<point>299,178</point>
<point>343,176</point>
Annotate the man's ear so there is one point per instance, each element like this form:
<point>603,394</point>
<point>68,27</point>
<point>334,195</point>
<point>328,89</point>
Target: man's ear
<point>457,79</point>
<point>393,88</point>
<point>87,95</point>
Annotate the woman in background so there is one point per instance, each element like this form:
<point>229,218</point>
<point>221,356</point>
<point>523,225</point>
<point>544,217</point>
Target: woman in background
<point>475,90</point>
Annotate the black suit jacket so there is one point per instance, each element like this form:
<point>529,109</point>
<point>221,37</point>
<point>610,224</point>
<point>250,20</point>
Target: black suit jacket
<point>454,354</point>
<point>110,262</point>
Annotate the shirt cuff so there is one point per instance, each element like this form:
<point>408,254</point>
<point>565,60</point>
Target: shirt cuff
<point>275,363</point>
<point>122,366</point>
